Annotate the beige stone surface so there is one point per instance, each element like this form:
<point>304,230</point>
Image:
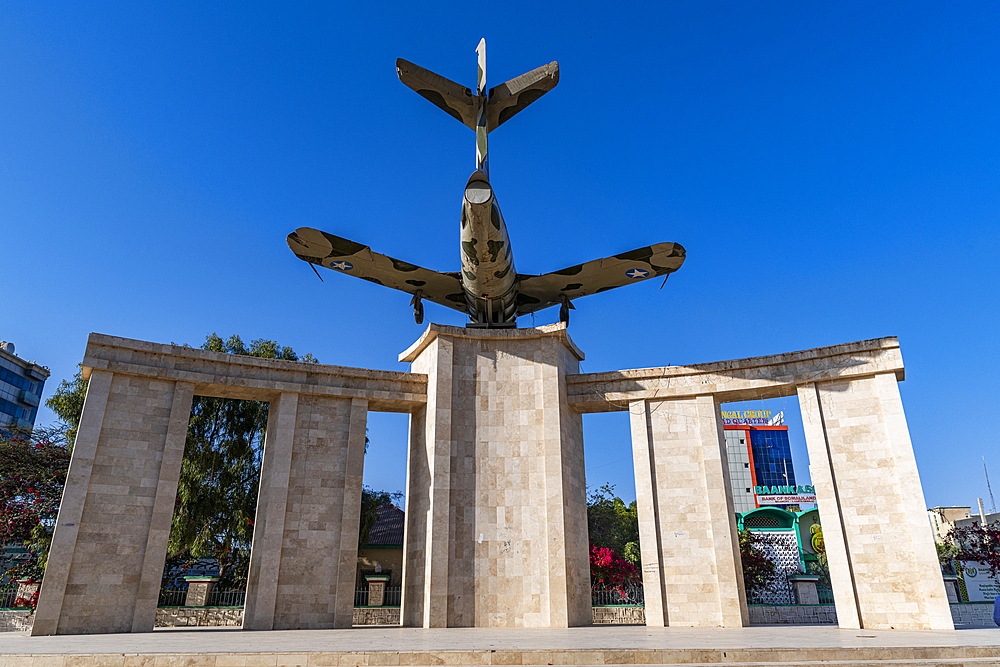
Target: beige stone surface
<point>497,534</point>
<point>594,645</point>
<point>687,528</point>
<point>303,567</point>
<point>881,554</point>
<point>238,376</point>
<point>104,527</point>
<point>754,378</point>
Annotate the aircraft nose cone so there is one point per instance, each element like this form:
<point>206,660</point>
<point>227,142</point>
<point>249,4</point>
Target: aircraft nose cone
<point>478,192</point>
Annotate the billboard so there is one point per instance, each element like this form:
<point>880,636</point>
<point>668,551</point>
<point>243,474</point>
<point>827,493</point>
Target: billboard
<point>975,582</point>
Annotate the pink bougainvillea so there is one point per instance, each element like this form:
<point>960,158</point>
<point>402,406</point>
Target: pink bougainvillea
<point>609,570</point>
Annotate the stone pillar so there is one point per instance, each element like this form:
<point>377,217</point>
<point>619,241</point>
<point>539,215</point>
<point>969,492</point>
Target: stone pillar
<point>269,522</point>
<point>496,531</point>
<point>805,588</point>
<point>687,525</point>
<point>883,564</point>
<point>106,535</point>
<point>305,549</point>
<point>163,509</point>
<point>199,590</point>
<point>428,486</point>
<point>376,589</point>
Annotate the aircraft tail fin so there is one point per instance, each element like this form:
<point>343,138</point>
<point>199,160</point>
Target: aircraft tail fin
<point>509,98</point>
<point>452,98</point>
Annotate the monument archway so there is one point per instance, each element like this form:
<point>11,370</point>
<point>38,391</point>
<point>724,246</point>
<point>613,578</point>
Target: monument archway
<point>863,470</point>
<point>110,539</point>
<point>496,526</point>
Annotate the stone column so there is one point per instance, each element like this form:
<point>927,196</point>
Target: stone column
<point>822,472</point>
<point>67,527</point>
<point>163,509</point>
<point>199,590</point>
<point>428,490</point>
<point>269,522</point>
<point>106,533</point>
<point>376,589</point>
<point>687,525</point>
<point>496,500</point>
<point>304,557</point>
<point>882,557</point>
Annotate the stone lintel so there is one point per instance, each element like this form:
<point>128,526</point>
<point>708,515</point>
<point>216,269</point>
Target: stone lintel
<point>226,375</point>
<point>771,376</point>
<point>432,331</point>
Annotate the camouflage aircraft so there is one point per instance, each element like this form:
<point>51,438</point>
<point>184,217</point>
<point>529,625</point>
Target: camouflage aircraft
<point>487,288</point>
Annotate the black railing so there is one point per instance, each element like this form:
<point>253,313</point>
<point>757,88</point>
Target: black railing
<point>392,598</point>
<point>232,598</point>
<point>615,597</point>
<point>172,597</point>
<point>8,594</point>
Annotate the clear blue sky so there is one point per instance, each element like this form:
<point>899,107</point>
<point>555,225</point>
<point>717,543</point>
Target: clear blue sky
<point>831,168</point>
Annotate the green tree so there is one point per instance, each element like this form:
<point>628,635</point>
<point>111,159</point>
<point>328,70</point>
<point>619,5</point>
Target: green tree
<point>613,524</point>
<point>217,490</point>
<point>67,403</point>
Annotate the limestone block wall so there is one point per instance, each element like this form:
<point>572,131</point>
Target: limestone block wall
<point>687,529</point>
<point>883,564</point>
<point>497,533</point>
<point>110,539</point>
<point>109,543</point>
<point>304,556</point>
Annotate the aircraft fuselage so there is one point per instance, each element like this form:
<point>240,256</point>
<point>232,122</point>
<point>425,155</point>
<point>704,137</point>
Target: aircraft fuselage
<point>488,275</point>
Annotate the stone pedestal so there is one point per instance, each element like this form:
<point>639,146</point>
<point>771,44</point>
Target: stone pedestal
<point>199,590</point>
<point>26,588</point>
<point>376,589</point>
<point>496,514</point>
<point>951,589</point>
<point>805,588</point>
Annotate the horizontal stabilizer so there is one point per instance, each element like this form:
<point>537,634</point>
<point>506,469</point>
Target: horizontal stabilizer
<point>343,256</point>
<point>509,98</point>
<point>455,100</point>
<point>600,275</point>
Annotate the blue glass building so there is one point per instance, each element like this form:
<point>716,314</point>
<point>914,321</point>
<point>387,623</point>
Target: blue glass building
<point>21,384</point>
<point>759,456</point>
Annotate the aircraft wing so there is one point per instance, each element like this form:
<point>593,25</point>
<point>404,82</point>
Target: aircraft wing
<point>600,275</point>
<point>343,256</point>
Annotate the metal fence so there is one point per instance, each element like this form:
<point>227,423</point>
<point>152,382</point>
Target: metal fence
<point>231,598</point>
<point>172,597</point>
<point>610,597</point>
<point>825,594</point>
<point>392,598</point>
<point>7,596</point>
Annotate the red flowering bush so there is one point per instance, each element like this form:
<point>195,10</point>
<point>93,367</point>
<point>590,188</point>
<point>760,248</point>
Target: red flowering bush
<point>609,570</point>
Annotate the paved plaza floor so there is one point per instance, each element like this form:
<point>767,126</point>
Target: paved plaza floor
<point>586,645</point>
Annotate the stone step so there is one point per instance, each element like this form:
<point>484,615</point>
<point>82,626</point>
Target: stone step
<point>826,656</point>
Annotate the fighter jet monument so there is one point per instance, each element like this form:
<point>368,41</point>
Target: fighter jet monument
<point>487,288</point>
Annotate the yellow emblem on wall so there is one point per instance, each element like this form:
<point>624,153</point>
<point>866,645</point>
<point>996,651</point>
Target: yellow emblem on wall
<point>817,538</point>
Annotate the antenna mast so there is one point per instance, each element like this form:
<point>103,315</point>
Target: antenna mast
<point>993,504</point>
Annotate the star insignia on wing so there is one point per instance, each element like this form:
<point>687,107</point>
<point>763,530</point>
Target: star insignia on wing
<point>637,273</point>
<point>343,266</point>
